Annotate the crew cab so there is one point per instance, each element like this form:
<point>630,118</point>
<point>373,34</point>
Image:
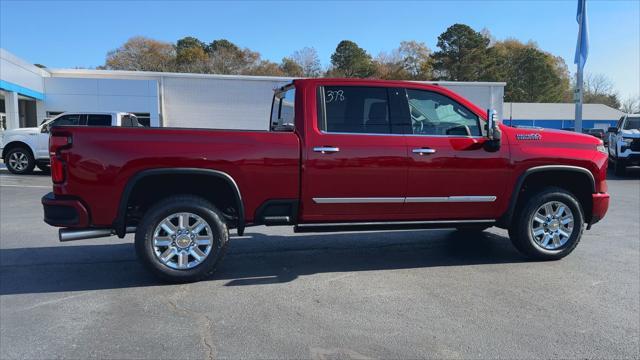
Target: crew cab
<point>339,155</point>
<point>25,148</point>
<point>624,143</point>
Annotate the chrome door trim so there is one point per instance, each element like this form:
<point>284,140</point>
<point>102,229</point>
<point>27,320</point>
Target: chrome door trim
<point>360,200</point>
<point>400,200</point>
<point>472,198</point>
<point>445,199</point>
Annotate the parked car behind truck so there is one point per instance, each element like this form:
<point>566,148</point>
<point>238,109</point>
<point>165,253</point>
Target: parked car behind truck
<point>340,155</point>
<point>624,143</point>
<point>25,148</point>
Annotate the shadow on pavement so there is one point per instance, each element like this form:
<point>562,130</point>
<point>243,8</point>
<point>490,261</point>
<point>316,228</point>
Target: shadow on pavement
<point>632,173</point>
<point>261,260</point>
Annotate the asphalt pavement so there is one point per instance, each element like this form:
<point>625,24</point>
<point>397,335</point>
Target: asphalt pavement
<point>403,294</point>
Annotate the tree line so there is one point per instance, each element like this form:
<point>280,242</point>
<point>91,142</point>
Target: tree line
<point>463,54</point>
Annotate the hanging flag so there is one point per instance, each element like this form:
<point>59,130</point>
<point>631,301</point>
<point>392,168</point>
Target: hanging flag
<point>582,48</point>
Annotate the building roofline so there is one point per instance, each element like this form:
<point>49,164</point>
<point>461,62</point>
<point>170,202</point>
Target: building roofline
<point>147,74</point>
<point>22,63</point>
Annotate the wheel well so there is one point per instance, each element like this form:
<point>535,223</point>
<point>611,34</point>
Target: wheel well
<point>577,183</point>
<point>13,145</point>
<point>218,190</point>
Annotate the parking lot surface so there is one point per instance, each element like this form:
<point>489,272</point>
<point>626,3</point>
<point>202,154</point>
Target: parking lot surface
<point>404,294</point>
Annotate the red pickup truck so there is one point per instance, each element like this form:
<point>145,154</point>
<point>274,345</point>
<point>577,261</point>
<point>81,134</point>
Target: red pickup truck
<point>340,155</point>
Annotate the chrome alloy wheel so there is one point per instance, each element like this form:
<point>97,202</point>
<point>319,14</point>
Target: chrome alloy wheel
<point>551,225</point>
<point>182,240</point>
<point>18,161</point>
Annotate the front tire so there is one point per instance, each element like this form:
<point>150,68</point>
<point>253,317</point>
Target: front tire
<point>549,225</point>
<point>619,167</point>
<point>182,239</point>
<point>44,167</point>
<point>20,161</point>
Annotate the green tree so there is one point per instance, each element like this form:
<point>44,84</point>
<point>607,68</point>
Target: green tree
<point>226,57</point>
<point>410,61</point>
<point>191,55</point>
<point>291,68</point>
<point>350,60</point>
<point>462,54</point>
<point>531,74</point>
<point>142,54</point>
<point>265,68</point>
<point>416,60</point>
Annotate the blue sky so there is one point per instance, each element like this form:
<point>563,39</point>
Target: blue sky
<point>70,34</point>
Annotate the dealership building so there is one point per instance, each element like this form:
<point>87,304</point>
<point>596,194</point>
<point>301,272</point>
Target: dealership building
<point>29,95</point>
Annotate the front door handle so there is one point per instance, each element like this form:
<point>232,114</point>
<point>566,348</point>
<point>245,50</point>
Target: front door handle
<point>326,149</point>
<point>424,151</point>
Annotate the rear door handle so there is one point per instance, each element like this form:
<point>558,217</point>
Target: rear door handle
<point>326,149</point>
<point>424,151</point>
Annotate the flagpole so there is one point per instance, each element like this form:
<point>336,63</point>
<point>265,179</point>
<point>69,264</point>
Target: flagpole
<point>578,99</point>
<point>582,49</point>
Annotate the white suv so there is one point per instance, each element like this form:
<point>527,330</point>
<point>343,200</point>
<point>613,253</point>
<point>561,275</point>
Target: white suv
<point>624,143</point>
<point>23,149</point>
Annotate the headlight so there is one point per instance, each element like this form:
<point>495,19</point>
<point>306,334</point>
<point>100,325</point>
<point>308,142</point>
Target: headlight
<point>602,149</point>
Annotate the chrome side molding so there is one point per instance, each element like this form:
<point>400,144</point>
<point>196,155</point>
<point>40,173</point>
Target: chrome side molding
<point>362,200</point>
<point>400,200</point>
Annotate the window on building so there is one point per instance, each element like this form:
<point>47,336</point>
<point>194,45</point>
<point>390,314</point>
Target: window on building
<point>354,109</point>
<point>98,120</point>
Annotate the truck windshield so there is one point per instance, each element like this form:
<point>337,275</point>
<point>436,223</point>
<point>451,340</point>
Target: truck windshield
<point>632,123</point>
<point>283,107</point>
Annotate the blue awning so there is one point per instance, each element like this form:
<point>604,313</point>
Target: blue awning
<point>5,85</point>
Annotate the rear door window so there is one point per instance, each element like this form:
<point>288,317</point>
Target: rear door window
<point>354,109</point>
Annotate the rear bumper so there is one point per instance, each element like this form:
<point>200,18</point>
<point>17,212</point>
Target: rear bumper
<point>64,212</point>
<point>600,207</point>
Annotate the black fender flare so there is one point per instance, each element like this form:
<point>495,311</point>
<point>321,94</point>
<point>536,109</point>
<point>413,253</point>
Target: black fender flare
<point>119,224</point>
<point>506,218</point>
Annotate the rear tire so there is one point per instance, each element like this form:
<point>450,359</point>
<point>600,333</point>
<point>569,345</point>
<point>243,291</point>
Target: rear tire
<point>182,239</point>
<point>20,161</point>
<point>541,234</point>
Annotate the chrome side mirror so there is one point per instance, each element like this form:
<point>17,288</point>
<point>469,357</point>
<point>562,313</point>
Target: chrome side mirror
<point>493,131</point>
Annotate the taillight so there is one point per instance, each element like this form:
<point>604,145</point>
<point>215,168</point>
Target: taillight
<point>56,144</point>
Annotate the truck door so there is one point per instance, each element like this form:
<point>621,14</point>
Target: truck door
<point>451,175</point>
<point>354,157</point>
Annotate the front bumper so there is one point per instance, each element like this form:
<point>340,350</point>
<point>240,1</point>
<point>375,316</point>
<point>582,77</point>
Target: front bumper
<point>600,207</point>
<point>64,211</point>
